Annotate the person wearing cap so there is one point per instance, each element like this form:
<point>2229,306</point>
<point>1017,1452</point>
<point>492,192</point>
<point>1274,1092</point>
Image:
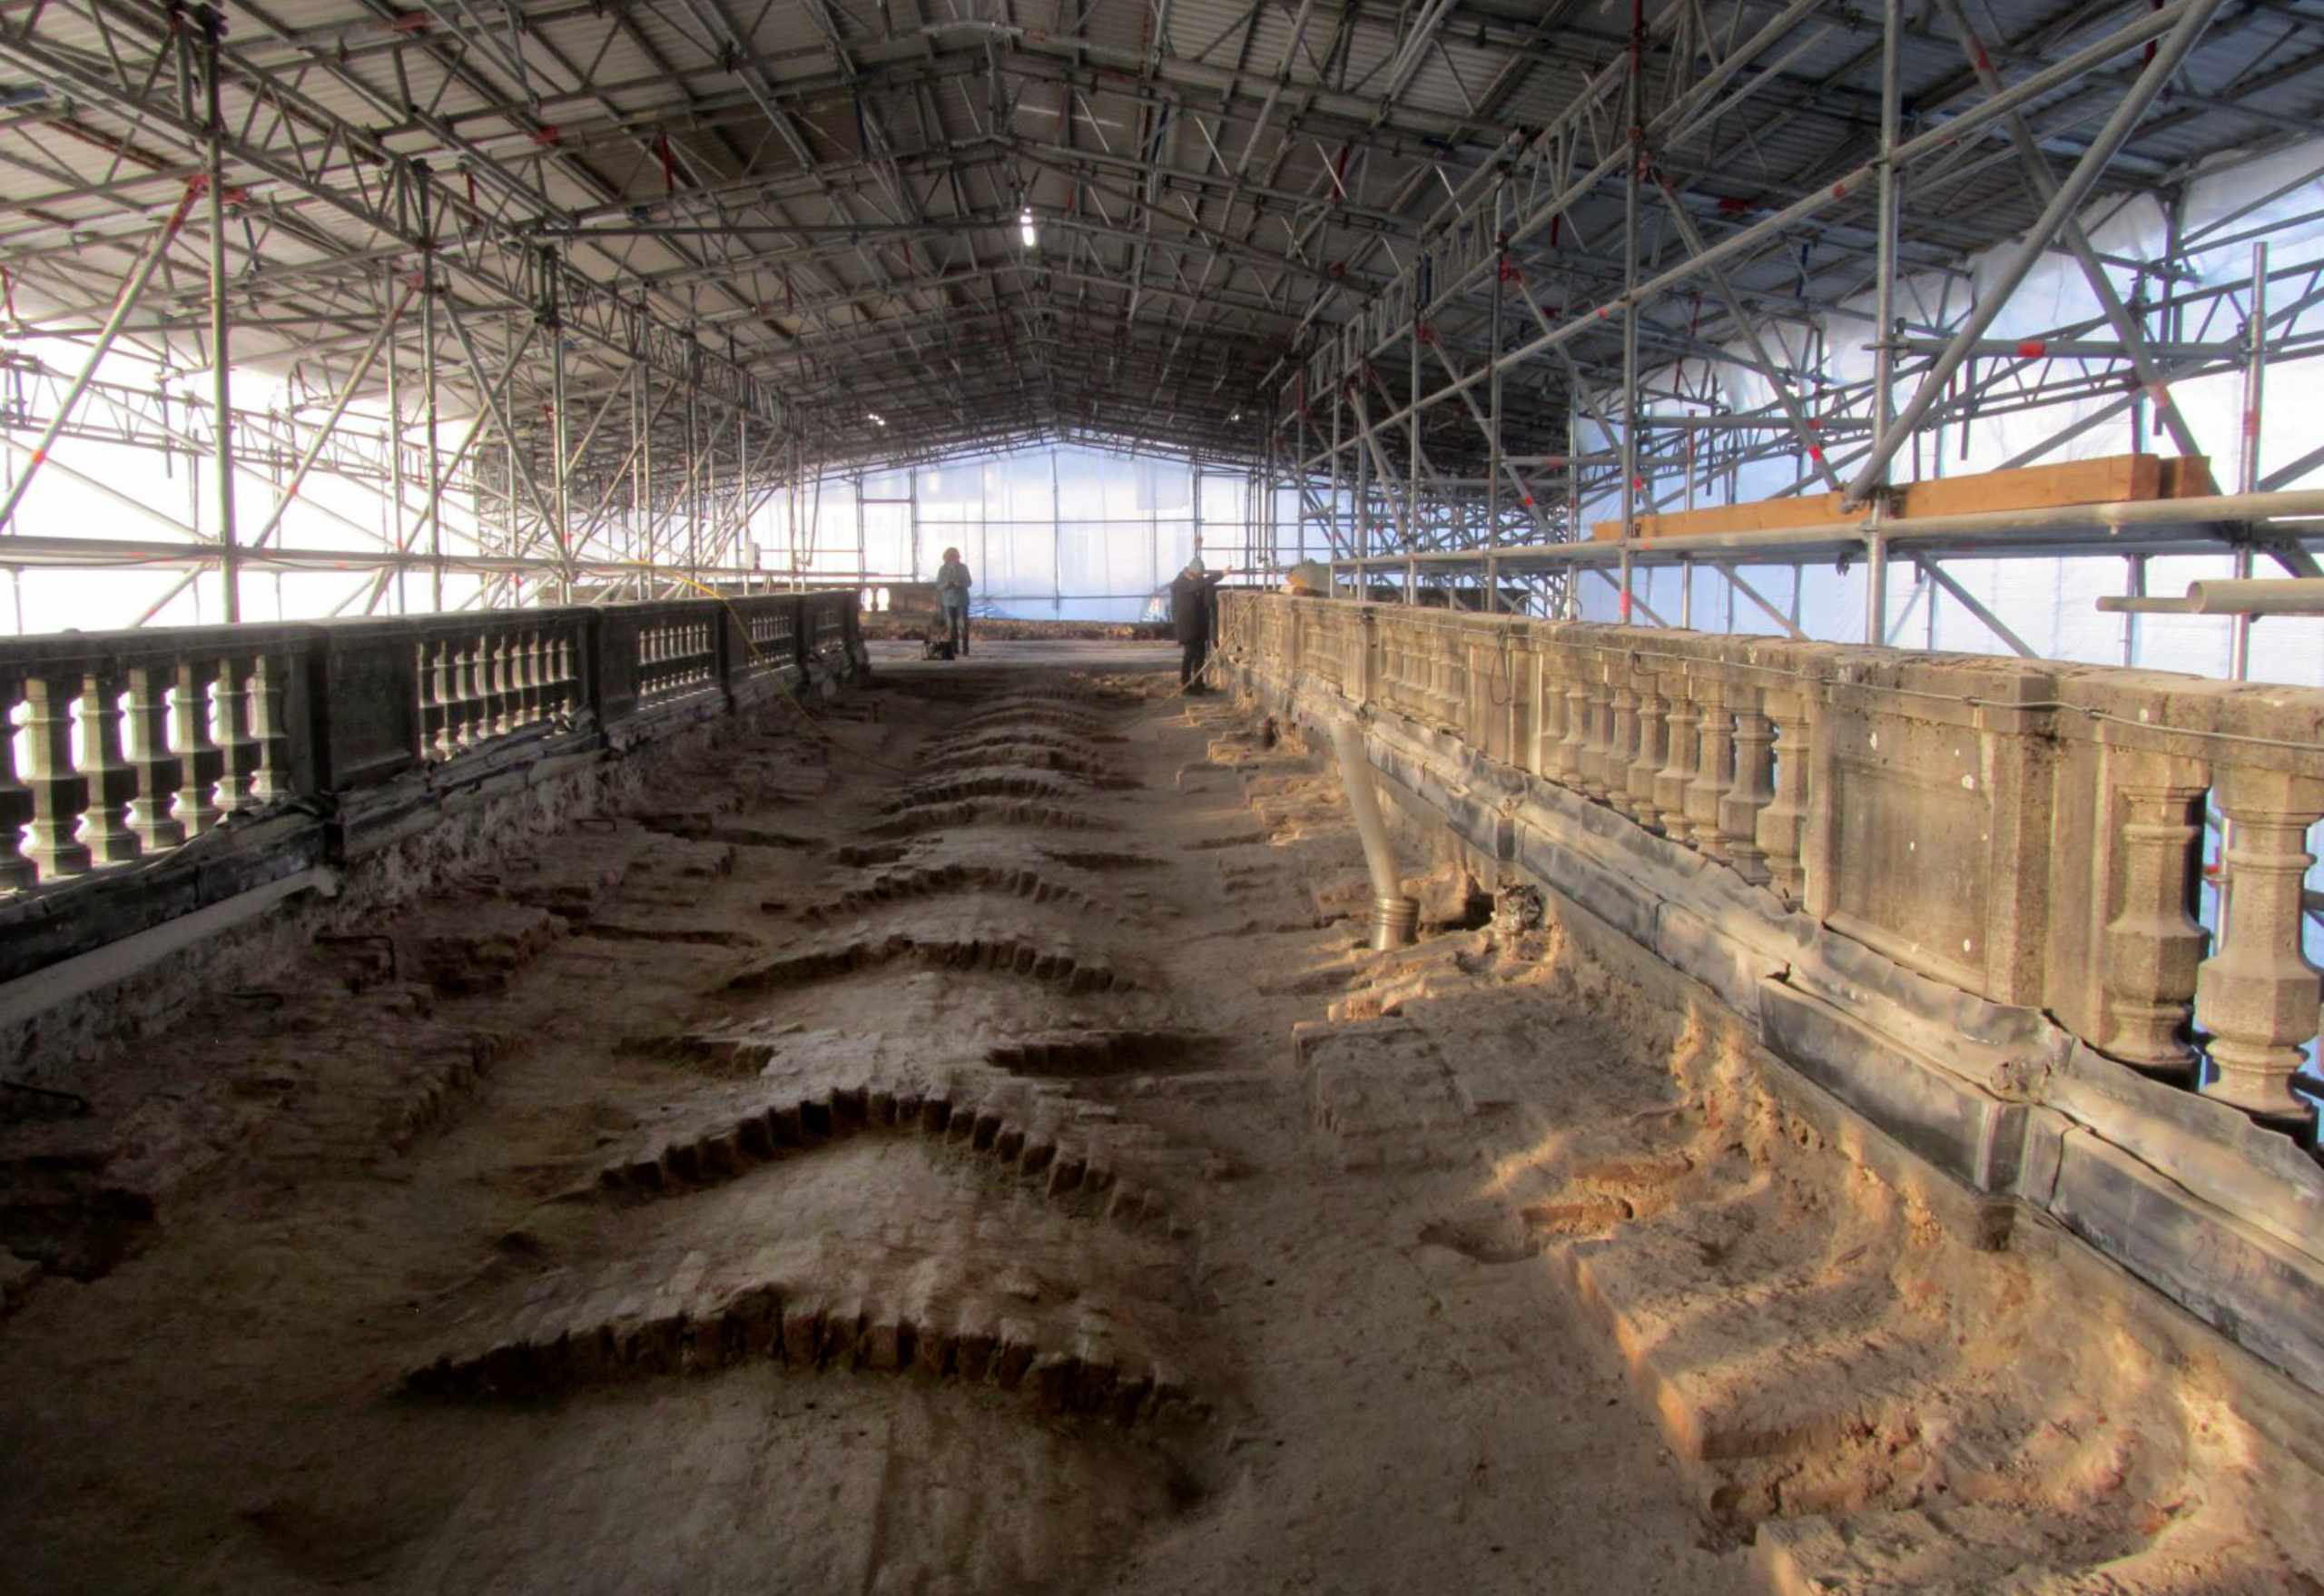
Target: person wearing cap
<point>1192,598</point>
<point>952,595</point>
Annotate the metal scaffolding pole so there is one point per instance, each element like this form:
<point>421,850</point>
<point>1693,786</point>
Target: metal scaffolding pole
<point>560,445</point>
<point>1633,170</point>
<point>394,469</point>
<point>2247,471</point>
<point>1996,291</point>
<point>213,27</point>
<point>124,303</point>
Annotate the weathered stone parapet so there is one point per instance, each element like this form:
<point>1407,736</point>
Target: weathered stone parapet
<point>2024,831</point>
<point>279,748</point>
<point>1957,894</point>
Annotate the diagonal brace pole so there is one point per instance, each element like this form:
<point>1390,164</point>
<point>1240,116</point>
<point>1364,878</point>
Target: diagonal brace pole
<point>2168,57</point>
<point>2045,185</point>
<point>1969,601</point>
<point>122,304</point>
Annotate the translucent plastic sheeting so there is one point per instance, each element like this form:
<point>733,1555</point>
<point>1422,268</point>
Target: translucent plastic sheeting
<point>1064,533</point>
<point>99,490</point>
<point>2050,604</point>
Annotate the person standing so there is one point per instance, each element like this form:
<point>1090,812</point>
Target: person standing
<point>952,596</point>
<point>1192,597</point>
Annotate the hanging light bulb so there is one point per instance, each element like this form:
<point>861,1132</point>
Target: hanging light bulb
<point>1025,229</point>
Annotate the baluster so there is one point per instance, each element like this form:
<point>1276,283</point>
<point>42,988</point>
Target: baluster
<point>1597,711</point>
<point>548,697</point>
<point>1779,835</point>
<point>1516,713</point>
<point>492,708</point>
<point>17,874</point>
<point>2257,995</point>
<point>500,683</point>
<point>1683,723</point>
<point>1738,808</point>
<point>1577,727</point>
<point>532,693</point>
<point>270,731</point>
<point>111,833</point>
<point>434,734</point>
<point>238,750</point>
<point>1621,750</point>
<point>448,665</point>
<point>512,706</point>
<point>155,767</point>
<point>200,761</point>
<point>1549,714</point>
<point>1652,749</point>
<point>59,791</point>
<point>1714,760</point>
<point>509,680</point>
<point>455,695</point>
<point>2154,947</point>
<point>476,723</point>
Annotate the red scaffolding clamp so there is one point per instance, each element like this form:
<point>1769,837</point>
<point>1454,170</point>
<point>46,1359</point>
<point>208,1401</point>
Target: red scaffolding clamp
<point>195,187</point>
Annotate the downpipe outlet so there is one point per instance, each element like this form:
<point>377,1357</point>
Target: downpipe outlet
<point>1395,917</point>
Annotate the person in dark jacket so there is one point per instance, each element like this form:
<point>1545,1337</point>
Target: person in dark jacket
<point>1192,599</point>
<point>952,601</point>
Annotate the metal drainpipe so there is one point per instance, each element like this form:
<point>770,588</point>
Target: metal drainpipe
<point>1395,917</point>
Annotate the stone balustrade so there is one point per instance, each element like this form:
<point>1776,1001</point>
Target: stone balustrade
<point>129,744</point>
<point>491,675</point>
<point>676,653</point>
<point>2027,832</point>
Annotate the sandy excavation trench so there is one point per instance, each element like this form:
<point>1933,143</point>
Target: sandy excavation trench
<point>963,1145</point>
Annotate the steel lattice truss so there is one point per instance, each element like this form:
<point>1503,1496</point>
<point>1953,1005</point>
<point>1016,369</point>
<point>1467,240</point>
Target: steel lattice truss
<point>672,257</point>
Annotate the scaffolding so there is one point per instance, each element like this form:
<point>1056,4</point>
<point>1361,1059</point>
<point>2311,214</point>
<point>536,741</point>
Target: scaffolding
<point>561,301</point>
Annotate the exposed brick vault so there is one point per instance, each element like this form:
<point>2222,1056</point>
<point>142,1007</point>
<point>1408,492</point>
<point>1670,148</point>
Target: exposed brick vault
<point>952,1134</point>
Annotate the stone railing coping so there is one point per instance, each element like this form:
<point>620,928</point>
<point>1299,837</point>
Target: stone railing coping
<point>2272,726</point>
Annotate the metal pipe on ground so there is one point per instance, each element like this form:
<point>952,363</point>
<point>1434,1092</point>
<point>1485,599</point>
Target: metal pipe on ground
<point>1395,917</point>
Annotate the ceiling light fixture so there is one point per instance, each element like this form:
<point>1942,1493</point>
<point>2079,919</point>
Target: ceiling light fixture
<point>1025,229</point>
<point>875,418</point>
